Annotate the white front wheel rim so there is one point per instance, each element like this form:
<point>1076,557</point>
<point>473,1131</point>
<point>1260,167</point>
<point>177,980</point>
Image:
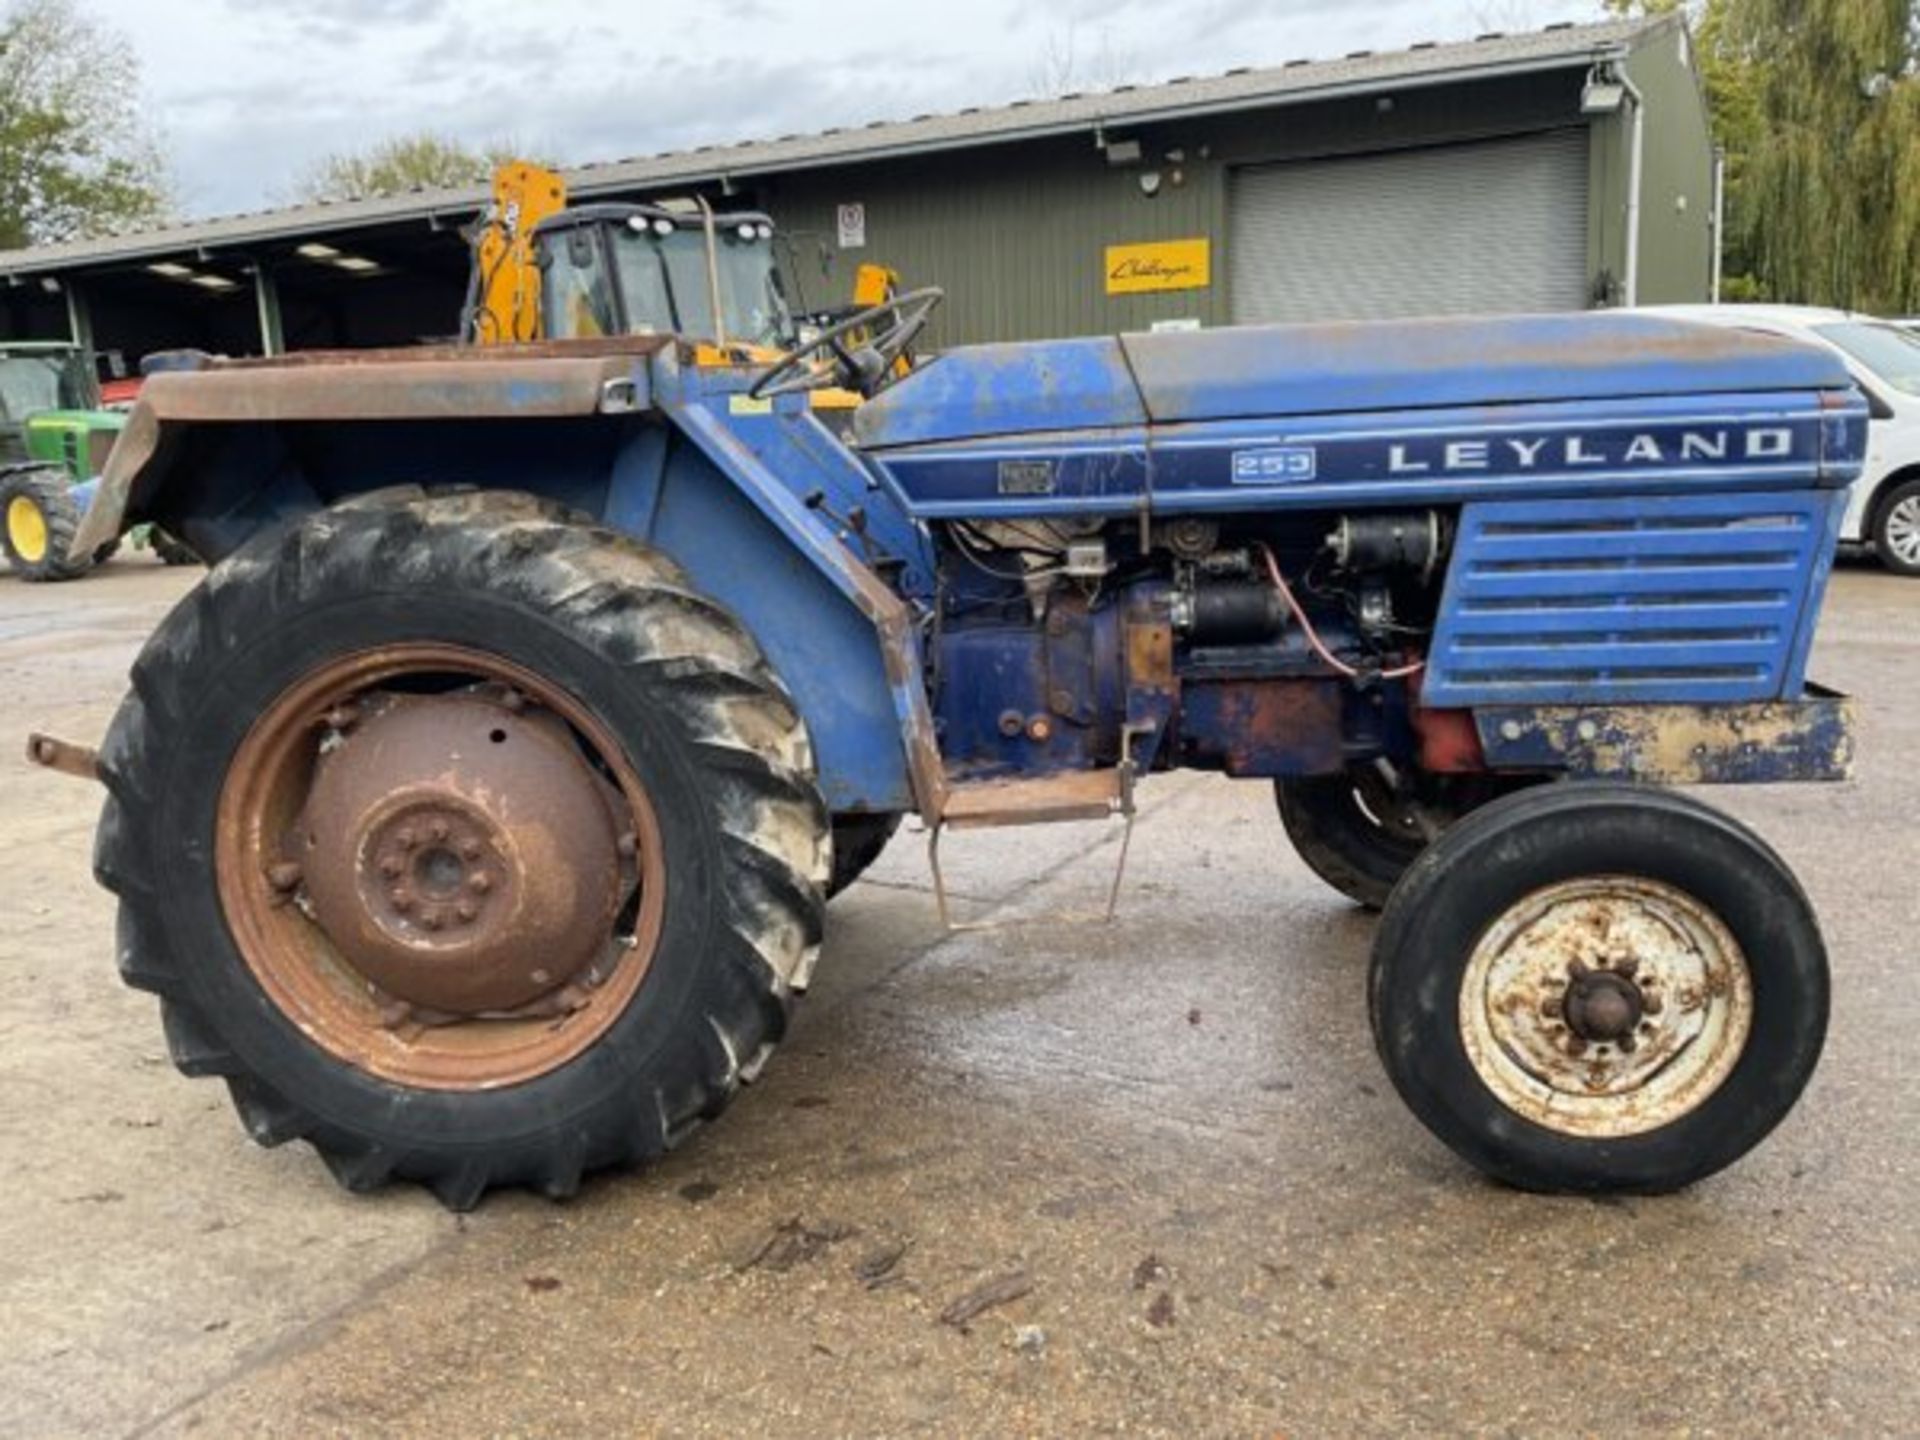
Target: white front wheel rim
<point>1605,1006</point>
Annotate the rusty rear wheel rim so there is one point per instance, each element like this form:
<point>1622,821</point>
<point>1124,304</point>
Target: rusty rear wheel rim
<point>440,866</point>
<point>1606,1007</point>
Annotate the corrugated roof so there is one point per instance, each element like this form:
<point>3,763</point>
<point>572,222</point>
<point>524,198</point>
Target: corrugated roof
<point>1556,47</point>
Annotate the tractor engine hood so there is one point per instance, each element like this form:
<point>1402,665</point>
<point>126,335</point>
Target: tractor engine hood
<point>1254,372</point>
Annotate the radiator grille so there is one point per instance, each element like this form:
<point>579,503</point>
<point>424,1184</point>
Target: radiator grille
<point>1679,598</point>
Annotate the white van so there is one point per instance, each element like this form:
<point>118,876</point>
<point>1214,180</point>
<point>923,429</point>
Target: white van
<point>1884,357</point>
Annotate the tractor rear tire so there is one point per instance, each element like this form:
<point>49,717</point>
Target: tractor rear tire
<point>37,523</point>
<point>1359,837</point>
<point>586,648</point>
<point>858,840</point>
<point>1599,987</point>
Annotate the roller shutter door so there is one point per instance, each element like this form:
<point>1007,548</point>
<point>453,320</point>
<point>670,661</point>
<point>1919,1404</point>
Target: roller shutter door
<point>1458,229</point>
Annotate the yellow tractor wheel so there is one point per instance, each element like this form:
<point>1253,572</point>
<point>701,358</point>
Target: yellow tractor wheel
<point>38,519</point>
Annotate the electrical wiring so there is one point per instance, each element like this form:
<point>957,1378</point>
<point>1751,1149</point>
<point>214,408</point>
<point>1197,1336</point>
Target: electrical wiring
<point>1314,641</point>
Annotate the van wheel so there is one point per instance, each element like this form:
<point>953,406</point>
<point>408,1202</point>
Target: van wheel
<point>1896,529</point>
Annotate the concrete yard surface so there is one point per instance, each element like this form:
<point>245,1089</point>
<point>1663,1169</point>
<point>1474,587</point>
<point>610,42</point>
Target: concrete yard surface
<point>1151,1173</point>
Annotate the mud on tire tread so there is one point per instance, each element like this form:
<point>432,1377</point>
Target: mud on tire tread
<point>725,755</point>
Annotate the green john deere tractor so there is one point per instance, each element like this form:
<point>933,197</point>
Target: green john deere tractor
<point>54,438</point>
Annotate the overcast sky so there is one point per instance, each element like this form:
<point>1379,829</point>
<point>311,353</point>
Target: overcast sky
<point>247,96</point>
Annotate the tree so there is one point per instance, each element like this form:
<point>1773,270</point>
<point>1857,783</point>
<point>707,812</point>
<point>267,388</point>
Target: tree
<point>1816,104</point>
<point>423,161</point>
<point>1830,198</point>
<point>75,156</point>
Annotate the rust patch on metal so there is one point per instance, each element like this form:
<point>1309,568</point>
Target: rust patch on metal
<point>1806,739</point>
<point>1266,727</point>
<point>1070,795</point>
<point>1449,742</point>
<point>459,852</point>
<point>326,929</point>
<point>1149,654</point>
<point>80,761</point>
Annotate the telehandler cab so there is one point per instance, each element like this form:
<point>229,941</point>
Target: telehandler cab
<point>474,819</point>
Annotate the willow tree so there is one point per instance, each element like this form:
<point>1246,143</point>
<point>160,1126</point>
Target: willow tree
<point>1829,195</point>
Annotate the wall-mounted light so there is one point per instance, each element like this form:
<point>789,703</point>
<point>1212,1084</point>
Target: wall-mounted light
<point>314,250</point>
<point>171,270</point>
<point>217,283</point>
<point>1123,152</point>
<point>1150,182</point>
<point>1603,94</point>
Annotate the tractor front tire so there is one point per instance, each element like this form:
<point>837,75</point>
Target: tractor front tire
<point>464,841</point>
<point>1599,987</point>
<point>37,523</point>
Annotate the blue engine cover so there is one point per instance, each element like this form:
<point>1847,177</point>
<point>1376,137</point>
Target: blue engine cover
<point>1306,370</point>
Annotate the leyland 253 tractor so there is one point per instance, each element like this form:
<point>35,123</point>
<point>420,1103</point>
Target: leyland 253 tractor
<point>475,818</point>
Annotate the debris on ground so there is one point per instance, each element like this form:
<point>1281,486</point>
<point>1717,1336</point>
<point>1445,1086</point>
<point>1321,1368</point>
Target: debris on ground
<point>698,1192</point>
<point>983,1298</point>
<point>541,1284</point>
<point>1160,1312</point>
<point>1149,1271</point>
<point>793,1242</point>
<point>878,1266</point>
<point>1030,1340</point>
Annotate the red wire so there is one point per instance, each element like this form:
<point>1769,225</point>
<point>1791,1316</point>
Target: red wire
<point>1313,635</point>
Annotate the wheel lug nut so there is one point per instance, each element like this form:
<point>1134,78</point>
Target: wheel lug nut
<point>438,830</point>
<point>284,876</point>
<point>391,867</point>
<point>470,849</point>
<point>480,882</point>
<point>1626,966</point>
<point>343,717</point>
<point>405,838</point>
<point>1576,968</point>
<point>431,919</point>
<point>1550,1010</point>
<point>466,910</point>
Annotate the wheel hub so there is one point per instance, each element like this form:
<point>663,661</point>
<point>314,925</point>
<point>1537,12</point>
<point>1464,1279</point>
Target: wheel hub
<point>1903,530</point>
<point>461,855</point>
<point>1605,1006</point>
<point>26,529</point>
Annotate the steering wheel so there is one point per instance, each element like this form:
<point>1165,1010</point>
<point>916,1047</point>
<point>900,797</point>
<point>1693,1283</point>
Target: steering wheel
<point>866,367</point>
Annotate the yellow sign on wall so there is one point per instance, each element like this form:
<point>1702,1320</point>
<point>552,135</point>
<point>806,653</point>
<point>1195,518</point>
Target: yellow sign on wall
<point>1159,265</point>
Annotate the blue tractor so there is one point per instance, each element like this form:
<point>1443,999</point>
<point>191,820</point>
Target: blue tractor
<point>475,818</point>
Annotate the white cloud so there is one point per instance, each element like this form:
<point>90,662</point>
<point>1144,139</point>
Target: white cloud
<point>247,96</point>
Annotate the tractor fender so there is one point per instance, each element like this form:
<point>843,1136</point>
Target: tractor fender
<point>561,379</point>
